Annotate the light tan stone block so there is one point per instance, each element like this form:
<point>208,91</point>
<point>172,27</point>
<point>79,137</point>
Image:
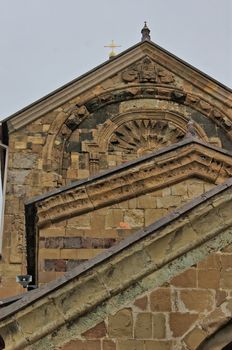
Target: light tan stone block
<point>120,325</point>
<point>79,253</point>
<point>159,326</point>
<point>37,140</point>
<point>152,215</point>
<point>143,326</point>
<point>130,344</point>
<point>97,221</point>
<point>168,201</point>
<point>20,145</point>
<point>158,345</point>
<point>113,218</point>
<point>52,231</point>
<point>194,338</point>
<point>195,189</point>
<point>146,202</point>
<point>80,222</point>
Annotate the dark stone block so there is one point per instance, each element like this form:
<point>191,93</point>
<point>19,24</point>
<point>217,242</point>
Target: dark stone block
<point>198,117</point>
<point>58,265</point>
<point>83,161</point>
<point>54,242</point>
<point>72,242</point>
<point>109,242</point>
<point>94,243</point>
<point>71,264</point>
<point>73,146</point>
<point>29,145</point>
<point>178,96</point>
<point>226,143</point>
<point>208,125</point>
<point>88,123</point>
<point>210,129</point>
<point>86,136</point>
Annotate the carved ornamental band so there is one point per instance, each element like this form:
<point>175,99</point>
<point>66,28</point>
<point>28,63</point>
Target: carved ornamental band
<point>147,72</point>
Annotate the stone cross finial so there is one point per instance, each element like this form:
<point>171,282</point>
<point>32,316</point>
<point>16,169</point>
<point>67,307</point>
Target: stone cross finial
<point>112,45</point>
<point>145,33</point>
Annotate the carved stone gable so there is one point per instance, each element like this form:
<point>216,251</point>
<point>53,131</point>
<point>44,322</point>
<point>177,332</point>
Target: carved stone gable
<point>143,136</point>
<point>147,71</point>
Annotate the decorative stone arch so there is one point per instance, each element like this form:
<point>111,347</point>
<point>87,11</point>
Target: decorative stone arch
<point>67,121</point>
<point>213,332</point>
<point>177,120</point>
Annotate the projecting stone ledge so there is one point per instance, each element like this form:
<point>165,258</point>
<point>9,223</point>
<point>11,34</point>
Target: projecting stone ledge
<point>82,298</point>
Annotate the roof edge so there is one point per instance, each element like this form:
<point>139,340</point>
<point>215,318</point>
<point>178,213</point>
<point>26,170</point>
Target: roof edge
<point>100,258</point>
<point>184,142</point>
<point>75,80</point>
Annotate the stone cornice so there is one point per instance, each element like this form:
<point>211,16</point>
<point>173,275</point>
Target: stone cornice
<point>189,158</point>
<point>112,67</point>
<point>138,264</point>
<point>194,76</point>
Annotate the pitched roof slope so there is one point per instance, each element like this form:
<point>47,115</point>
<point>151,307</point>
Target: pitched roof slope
<point>162,250</point>
<point>105,70</point>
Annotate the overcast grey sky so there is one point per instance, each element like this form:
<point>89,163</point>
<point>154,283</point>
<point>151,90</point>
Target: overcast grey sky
<point>46,43</point>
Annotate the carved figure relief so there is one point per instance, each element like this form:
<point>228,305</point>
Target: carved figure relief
<point>144,136</point>
<point>147,72</point>
<point>76,116</point>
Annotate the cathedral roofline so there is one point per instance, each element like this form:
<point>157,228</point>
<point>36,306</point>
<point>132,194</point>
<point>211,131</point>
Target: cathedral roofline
<point>32,111</point>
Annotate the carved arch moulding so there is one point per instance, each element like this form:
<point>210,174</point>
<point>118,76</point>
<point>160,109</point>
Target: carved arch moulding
<point>56,157</point>
<point>166,127</point>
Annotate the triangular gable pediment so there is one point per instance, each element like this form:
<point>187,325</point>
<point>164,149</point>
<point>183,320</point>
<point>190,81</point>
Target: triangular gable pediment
<point>169,71</point>
<point>172,164</point>
<point>190,158</point>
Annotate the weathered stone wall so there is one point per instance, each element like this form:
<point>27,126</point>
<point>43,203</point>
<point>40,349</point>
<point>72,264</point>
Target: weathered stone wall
<point>68,310</point>
<point>168,317</point>
<point>110,123</point>
<point>68,243</point>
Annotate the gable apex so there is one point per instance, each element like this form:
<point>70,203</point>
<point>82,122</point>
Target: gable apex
<point>110,68</point>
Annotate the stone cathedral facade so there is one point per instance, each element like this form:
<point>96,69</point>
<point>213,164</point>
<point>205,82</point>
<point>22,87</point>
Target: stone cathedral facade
<point>118,203</point>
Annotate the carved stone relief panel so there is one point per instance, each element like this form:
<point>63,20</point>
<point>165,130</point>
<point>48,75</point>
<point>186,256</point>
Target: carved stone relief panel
<point>147,71</point>
<point>141,136</point>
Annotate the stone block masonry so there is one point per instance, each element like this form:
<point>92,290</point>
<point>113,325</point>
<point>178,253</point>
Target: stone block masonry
<point>165,318</point>
<point>67,244</point>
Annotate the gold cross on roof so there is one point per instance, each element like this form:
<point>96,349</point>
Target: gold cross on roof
<point>112,46</point>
